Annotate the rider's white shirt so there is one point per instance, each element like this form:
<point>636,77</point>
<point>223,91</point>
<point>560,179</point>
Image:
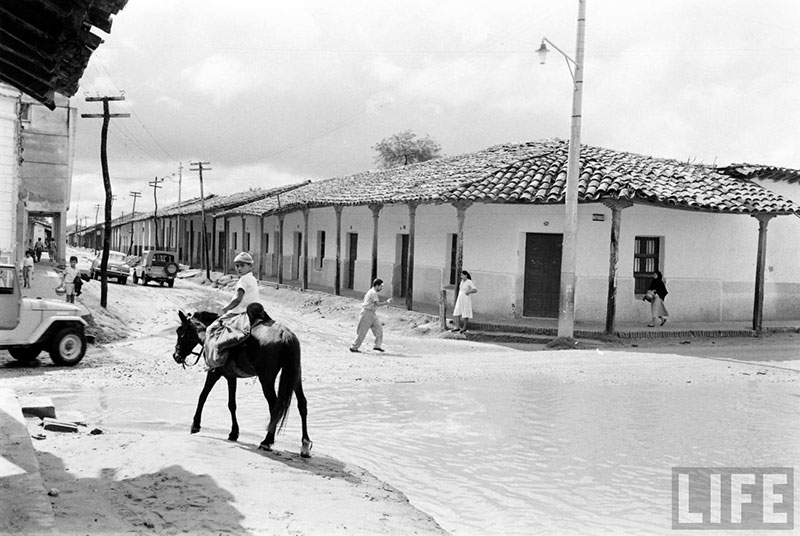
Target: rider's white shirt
<point>249,285</point>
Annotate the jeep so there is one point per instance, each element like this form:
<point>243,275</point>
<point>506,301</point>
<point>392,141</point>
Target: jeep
<point>30,325</point>
<point>157,266</point>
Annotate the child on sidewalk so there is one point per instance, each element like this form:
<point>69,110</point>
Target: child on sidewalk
<point>27,269</point>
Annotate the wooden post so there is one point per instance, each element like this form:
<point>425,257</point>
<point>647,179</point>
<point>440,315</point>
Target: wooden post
<point>412,218</point>
<point>761,257</point>
<point>337,282</point>
<point>616,207</point>
<point>280,247</point>
<point>305,249</point>
<point>376,209</point>
<point>443,309</point>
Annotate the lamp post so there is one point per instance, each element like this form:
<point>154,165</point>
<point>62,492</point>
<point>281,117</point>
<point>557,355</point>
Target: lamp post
<point>566,300</point>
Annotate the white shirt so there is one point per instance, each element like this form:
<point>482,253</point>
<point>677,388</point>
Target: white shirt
<point>249,285</point>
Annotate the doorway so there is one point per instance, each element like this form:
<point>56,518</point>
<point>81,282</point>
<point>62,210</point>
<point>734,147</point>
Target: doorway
<point>542,275</point>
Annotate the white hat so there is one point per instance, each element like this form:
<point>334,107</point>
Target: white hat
<point>244,257</point>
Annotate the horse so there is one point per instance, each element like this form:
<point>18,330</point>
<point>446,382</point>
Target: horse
<point>270,348</point>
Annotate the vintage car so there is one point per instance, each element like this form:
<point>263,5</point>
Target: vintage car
<point>156,265</point>
<point>117,267</point>
<point>30,325</point>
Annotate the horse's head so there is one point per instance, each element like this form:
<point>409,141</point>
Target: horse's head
<point>188,337</point>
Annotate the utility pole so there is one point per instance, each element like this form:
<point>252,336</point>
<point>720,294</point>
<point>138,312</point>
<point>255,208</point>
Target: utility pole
<point>180,214</point>
<point>94,231</point>
<point>154,184</point>
<point>199,167</point>
<point>135,196</point>
<point>106,116</point>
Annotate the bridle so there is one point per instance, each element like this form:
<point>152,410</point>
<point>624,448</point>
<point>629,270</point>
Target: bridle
<point>197,355</point>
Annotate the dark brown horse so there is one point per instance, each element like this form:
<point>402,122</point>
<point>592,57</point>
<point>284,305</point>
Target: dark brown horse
<point>270,348</point>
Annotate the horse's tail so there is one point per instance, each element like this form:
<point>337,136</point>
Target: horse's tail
<point>290,375</point>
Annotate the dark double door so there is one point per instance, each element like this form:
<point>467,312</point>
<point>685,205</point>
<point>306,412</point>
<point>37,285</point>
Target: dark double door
<point>542,275</point>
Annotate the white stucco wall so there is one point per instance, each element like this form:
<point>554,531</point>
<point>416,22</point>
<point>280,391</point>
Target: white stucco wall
<point>9,181</point>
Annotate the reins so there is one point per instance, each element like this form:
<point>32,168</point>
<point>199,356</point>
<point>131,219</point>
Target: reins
<point>184,364</point>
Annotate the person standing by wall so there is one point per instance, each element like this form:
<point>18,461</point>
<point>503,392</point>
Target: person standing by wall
<point>659,292</point>
<point>27,269</point>
<point>368,319</point>
<point>463,309</point>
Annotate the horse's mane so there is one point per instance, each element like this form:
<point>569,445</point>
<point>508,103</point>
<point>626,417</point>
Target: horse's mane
<point>205,317</point>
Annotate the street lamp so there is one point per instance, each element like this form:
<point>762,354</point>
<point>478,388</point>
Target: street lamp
<point>566,300</point>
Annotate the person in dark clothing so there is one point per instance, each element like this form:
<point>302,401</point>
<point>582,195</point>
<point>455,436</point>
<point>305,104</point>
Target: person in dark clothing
<point>659,292</point>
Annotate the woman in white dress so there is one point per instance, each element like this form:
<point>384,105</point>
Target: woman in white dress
<point>463,309</point>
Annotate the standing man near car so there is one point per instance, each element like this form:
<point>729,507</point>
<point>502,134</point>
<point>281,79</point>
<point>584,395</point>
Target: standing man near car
<point>68,278</point>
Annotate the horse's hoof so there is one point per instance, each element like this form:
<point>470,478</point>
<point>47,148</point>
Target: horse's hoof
<point>194,429</point>
<point>305,451</point>
<point>264,446</point>
<point>233,437</point>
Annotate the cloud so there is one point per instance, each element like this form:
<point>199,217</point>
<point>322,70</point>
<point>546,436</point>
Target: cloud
<point>220,78</point>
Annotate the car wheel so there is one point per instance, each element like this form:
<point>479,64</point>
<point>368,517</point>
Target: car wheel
<point>122,280</point>
<point>170,283</point>
<point>25,353</point>
<point>135,279</point>
<point>68,347</point>
<point>145,279</point>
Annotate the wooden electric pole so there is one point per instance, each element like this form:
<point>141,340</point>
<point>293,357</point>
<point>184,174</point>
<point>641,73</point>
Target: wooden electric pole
<point>200,167</point>
<point>106,116</point>
<point>135,196</point>
<point>155,185</point>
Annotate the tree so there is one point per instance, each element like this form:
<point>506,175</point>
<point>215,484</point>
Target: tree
<point>405,148</point>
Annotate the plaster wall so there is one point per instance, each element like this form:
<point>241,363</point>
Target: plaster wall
<point>9,184</point>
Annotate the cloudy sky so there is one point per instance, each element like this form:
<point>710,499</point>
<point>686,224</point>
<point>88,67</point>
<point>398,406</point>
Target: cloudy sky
<point>272,92</point>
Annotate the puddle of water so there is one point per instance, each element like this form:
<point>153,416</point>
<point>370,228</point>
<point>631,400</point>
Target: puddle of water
<point>527,457</point>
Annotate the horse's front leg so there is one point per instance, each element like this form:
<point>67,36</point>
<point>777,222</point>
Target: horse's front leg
<point>268,388</point>
<point>234,435</point>
<point>212,377</point>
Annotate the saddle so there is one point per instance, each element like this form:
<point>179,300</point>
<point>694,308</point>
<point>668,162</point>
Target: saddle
<point>233,334</point>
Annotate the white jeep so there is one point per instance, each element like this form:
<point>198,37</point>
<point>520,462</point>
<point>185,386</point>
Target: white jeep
<point>30,325</point>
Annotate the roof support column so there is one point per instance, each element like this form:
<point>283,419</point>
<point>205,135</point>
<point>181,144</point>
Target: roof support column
<point>616,206</point>
<point>337,279</point>
<point>376,210</point>
<point>461,215</point>
<point>214,256</point>
<point>412,218</point>
<point>280,247</point>
<point>304,283</point>
<point>761,257</point>
<point>262,255</point>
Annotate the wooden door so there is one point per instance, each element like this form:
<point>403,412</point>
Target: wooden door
<point>542,275</point>
<point>351,259</point>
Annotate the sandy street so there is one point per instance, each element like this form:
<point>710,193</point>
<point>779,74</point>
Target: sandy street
<point>159,479</point>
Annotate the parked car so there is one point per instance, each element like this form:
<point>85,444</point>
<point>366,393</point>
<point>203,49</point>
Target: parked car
<point>30,325</point>
<point>117,267</point>
<point>156,265</point>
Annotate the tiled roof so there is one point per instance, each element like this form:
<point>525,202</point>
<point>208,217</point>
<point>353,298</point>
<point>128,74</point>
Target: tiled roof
<point>219,203</point>
<point>535,173</point>
<point>607,174</point>
<point>752,171</point>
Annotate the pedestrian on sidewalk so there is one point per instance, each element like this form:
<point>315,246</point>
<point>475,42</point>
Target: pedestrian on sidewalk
<point>463,309</point>
<point>658,291</point>
<point>38,248</point>
<point>368,319</point>
<point>27,269</point>
<point>68,278</point>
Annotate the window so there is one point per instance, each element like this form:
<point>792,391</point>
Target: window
<point>246,245</point>
<point>235,240</point>
<point>646,260</point>
<point>25,112</point>
<point>320,249</point>
<point>266,242</point>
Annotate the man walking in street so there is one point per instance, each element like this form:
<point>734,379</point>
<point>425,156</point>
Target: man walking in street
<point>37,250</point>
<point>368,320</point>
